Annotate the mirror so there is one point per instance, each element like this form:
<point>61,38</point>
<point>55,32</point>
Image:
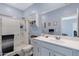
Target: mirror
<point>64,25</point>
<point>69,26</point>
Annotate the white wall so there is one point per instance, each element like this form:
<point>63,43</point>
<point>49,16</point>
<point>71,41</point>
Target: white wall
<point>54,15</point>
<point>10,11</point>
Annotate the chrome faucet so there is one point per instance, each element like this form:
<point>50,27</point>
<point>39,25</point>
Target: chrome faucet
<point>58,37</point>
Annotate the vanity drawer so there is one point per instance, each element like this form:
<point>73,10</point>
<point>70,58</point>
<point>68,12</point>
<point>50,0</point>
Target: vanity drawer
<point>64,51</point>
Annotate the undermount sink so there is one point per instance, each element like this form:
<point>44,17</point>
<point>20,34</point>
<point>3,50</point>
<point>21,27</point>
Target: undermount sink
<point>58,39</point>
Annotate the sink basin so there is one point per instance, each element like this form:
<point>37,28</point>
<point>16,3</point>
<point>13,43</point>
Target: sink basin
<point>56,40</point>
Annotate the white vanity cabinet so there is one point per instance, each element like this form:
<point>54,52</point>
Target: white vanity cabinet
<point>45,51</point>
<point>42,48</point>
<point>63,51</point>
<point>57,54</point>
<point>36,50</point>
<point>75,53</point>
<point>40,51</point>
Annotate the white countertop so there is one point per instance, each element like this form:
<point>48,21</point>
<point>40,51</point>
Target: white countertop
<point>69,43</point>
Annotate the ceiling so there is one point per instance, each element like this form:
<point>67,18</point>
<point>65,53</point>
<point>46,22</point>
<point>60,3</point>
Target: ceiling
<point>47,7</point>
<point>20,6</point>
<point>44,7</point>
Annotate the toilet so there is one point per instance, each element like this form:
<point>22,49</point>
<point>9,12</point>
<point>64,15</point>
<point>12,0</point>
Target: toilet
<point>28,51</point>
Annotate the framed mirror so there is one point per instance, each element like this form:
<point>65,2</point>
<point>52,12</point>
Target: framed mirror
<point>69,26</point>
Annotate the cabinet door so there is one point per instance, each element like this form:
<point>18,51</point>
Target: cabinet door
<point>75,53</point>
<point>58,54</point>
<point>36,51</point>
<point>36,48</point>
<point>45,52</point>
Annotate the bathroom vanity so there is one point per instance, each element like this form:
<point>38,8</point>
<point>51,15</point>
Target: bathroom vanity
<point>50,46</point>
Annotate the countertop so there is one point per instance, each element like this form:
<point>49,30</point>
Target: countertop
<point>65,42</point>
